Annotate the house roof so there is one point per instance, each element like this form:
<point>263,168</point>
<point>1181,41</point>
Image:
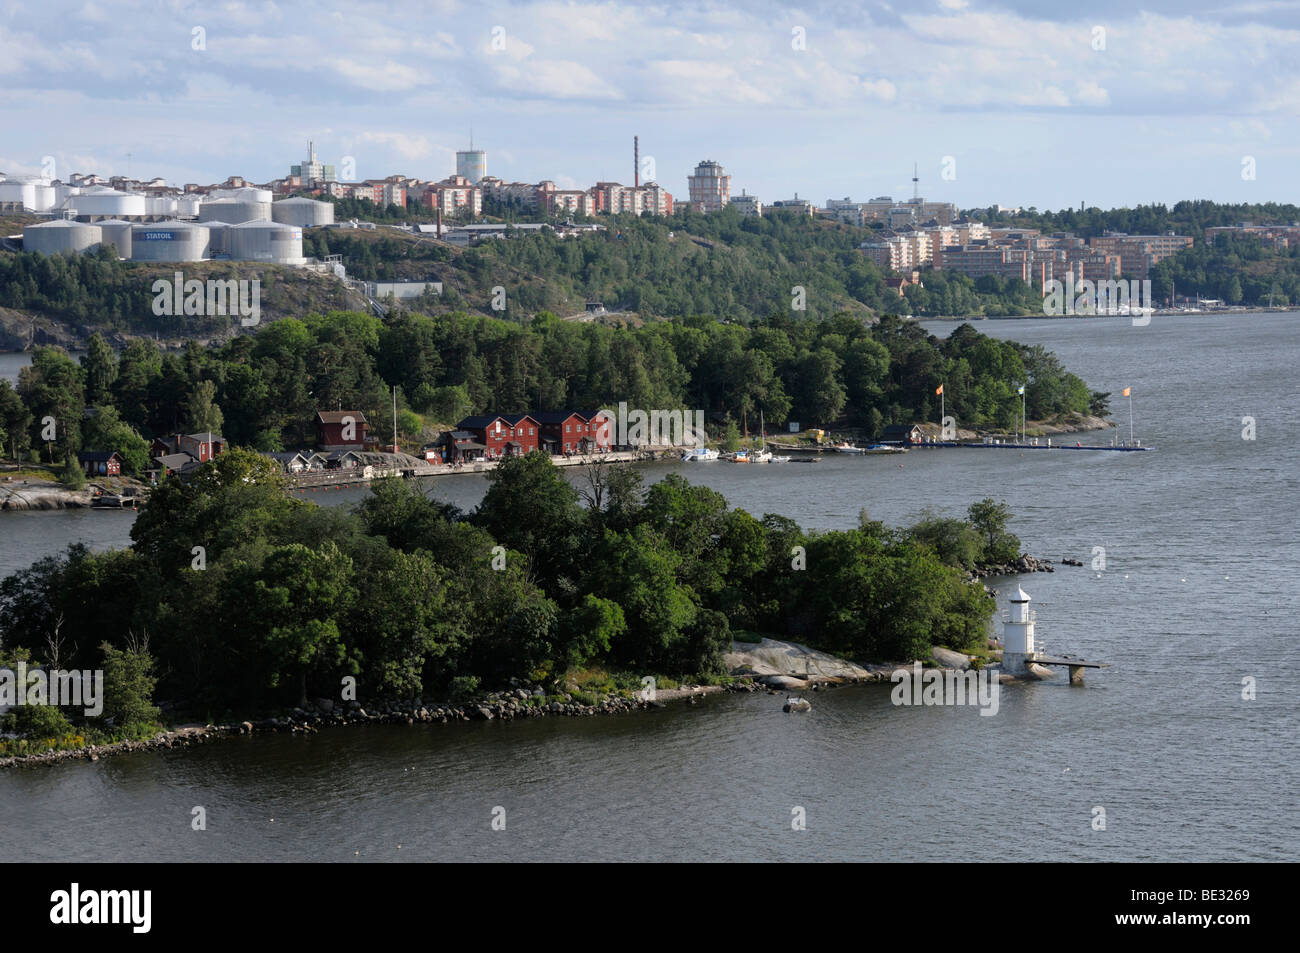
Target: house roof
<point>206,435</point>
<point>557,416</point>
<point>285,457</point>
<point>899,428</point>
<point>514,419</point>
<point>175,461</point>
<point>99,456</point>
<point>477,421</point>
<point>336,416</point>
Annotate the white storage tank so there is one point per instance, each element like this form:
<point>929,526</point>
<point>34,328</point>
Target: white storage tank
<point>33,192</point>
<point>106,202</point>
<point>218,241</point>
<point>61,235</point>
<point>245,194</point>
<point>117,233</point>
<point>302,212</point>
<point>63,192</point>
<point>234,211</point>
<point>188,205</point>
<point>169,241</point>
<point>165,205</point>
<point>46,197</point>
<point>265,241</point>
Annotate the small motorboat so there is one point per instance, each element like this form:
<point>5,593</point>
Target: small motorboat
<point>699,455</point>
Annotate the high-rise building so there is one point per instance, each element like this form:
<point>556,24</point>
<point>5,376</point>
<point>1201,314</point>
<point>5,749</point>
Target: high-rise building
<point>311,170</point>
<point>471,164</point>
<point>709,187</point>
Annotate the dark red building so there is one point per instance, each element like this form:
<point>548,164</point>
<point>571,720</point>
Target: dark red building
<point>503,435</point>
<point>566,431</point>
<point>340,430</point>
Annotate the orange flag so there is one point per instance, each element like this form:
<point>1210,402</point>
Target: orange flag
<point>1126,390</point>
<point>939,390</point>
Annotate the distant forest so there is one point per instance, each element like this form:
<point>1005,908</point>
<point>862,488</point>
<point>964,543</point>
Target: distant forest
<point>263,390</point>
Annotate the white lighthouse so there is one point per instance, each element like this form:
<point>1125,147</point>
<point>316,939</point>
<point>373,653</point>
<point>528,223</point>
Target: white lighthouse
<point>1018,635</point>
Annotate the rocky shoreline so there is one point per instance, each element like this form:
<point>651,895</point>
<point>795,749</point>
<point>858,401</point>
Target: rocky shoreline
<point>504,705</point>
<point>1025,564</point>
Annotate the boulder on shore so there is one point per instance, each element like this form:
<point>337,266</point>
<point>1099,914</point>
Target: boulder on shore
<point>770,658</point>
<point>947,658</point>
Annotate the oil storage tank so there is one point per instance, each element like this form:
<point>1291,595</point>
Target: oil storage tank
<point>302,212</point>
<point>101,202</point>
<point>218,242</point>
<point>265,241</point>
<point>234,211</point>
<point>33,192</point>
<point>117,233</point>
<point>245,193</point>
<point>61,235</point>
<point>169,241</point>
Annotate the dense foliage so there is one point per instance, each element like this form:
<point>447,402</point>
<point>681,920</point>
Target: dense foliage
<point>263,390</point>
<point>250,599</point>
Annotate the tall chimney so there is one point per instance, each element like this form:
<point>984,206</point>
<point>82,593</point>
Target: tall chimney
<point>636,161</point>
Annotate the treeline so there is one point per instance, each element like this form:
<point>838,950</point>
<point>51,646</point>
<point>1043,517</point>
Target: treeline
<point>1185,218</point>
<point>1238,269</point>
<point>249,599</point>
<point>263,390</point>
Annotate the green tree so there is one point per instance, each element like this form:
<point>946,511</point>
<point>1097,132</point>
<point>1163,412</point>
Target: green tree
<point>990,519</point>
<point>100,364</point>
<point>129,685</point>
<point>201,410</point>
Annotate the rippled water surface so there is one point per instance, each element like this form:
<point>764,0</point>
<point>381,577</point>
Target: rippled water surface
<point>1198,592</point>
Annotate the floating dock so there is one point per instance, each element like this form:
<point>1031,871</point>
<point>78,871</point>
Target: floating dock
<point>1029,446</point>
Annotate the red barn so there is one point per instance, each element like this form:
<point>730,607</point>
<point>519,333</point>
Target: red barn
<point>341,429</point>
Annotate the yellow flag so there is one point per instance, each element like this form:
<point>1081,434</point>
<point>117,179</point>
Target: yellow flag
<point>1126,390</point>
<point>939,390</point>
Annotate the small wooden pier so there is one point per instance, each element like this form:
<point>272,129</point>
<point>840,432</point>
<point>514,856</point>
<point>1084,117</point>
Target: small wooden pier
<point>1075,665</point>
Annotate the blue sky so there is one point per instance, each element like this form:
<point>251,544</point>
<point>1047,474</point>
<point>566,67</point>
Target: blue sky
<point>1024,103</point>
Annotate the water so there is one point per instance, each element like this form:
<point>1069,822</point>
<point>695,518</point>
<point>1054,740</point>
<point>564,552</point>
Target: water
<point>1198,592</point>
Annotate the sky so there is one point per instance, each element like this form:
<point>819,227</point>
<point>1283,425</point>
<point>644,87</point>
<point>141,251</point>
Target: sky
<point>1018,103</point>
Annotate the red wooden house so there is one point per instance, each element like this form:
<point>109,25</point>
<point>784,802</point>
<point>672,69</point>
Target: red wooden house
<point>503,435</point>
<point>602,428</point>
<point>340,429</point>
<point>565,432</point>
<point>101,462</point>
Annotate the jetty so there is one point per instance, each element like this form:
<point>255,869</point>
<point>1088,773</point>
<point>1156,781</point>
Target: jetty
<point>1020,648</point>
